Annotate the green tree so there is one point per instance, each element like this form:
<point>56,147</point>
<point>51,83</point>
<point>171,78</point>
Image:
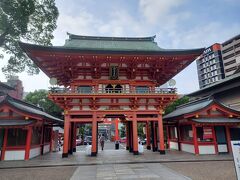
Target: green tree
<point>170,108</point>
<point>122,131</point>
<point>140,130</point>
<point>40,99</point>
<point>25,20</point>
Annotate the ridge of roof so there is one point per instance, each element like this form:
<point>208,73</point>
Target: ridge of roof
<point>24,103</point>
<point>195,101</point>
<point>109,38</point>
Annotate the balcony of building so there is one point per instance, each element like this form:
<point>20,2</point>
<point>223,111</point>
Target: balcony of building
<point>87,90</point>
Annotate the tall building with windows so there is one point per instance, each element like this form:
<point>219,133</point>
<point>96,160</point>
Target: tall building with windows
<point>210,66</point>
<point>231,55</point>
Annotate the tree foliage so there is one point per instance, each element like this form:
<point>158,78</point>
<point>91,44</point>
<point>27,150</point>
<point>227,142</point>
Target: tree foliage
<point>25,20</point>
<point>170,108</point>
<point>40,99</point>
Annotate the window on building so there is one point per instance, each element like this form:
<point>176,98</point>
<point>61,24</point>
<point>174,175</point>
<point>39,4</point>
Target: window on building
<point>16,137</point>
<point>204,134</point>
<point>186,133</point>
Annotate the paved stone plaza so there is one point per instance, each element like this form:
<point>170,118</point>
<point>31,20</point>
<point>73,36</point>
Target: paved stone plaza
<point>120,164</point>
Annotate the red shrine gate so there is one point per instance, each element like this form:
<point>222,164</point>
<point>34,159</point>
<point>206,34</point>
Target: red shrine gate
<point>114,77</point>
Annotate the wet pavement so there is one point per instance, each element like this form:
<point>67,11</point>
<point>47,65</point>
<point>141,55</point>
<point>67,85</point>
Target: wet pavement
<point>121,164</point>
<point>111,156</point>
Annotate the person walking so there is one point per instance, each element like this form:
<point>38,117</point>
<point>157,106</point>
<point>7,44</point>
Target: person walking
<point>102,138</point>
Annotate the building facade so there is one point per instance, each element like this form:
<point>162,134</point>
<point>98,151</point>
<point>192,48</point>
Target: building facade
<point>25,130</point>
<point>231,55</point>
<point>203,126</point>
<point>111,77</point>
<point>210,66</point>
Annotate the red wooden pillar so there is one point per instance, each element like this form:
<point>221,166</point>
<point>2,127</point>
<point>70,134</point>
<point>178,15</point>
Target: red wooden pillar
<point>94,135</point>
<point>161,134</point>
<point>4,144</point>
<point>148,136</point>
<point>135,134</point>
<point>66,135</point>
<point>228,139</point>
<point>215,140</point>
<point>195,142</point>
<point>127,135</point>
<point>28,143</point>
<point>70,140</point>
<point>74,136</point>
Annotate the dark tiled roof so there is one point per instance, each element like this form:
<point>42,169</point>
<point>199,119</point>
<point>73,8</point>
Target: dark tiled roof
<point>112,43</point>
<point>19,122</point>
<point>99,44</point>
<point>195,106</point>
<point>217,120</point>
<point>189,108</point>
<point>28,108</point>
<point>6,86</point>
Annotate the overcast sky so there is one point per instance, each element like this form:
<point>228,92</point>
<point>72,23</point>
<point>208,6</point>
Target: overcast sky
<point>176,23</point>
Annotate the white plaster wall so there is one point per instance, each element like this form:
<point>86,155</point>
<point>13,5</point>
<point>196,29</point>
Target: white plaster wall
<point>187,148</point>
<point>151,101</point>
<point>122,77</point>
<point>206,149</point>
<point>46,149</point>
<point>103,107</point>
<point>222,148</point>
<point>173,145</point>
<point>105,100</point>
<point>142,100</point>
<point>75,100</point>
<point>141,108</point>
<point>123,101</point>
<point>85,101</point>
<point>75,108</point>
<point>14,155</point>
<point>86,108</point>
<point>125,107</point>
<point>35,152</point>
<point>151,108</point>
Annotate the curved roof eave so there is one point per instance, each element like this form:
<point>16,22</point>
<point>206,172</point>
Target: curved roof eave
<point>27,46</point>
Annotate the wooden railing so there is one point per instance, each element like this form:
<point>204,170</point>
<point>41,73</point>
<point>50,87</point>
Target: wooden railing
<point>57,90</point>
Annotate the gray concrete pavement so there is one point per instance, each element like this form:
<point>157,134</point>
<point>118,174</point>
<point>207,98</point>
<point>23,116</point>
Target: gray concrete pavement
<point>120,156</point>
<point>128,171</point>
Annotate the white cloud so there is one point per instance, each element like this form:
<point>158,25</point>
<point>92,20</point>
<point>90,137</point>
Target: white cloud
<point>155,10</point>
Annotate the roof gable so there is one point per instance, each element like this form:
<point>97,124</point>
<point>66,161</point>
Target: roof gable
<point>112,43</point>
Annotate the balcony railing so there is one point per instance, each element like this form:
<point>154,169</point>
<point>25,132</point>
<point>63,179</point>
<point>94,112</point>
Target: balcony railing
<point>57,90</point>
